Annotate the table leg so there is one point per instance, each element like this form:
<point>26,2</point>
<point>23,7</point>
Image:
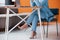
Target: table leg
<point>7,24</point>
<point>41,28</point>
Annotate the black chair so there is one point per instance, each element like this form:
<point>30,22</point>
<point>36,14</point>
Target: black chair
<point>55,12</point>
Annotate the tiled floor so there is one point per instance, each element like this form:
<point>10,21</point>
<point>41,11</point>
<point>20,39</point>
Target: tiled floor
<point>24,35</point>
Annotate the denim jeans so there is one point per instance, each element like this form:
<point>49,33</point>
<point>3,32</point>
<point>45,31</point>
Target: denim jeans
<point>33,18</point>
<point>45,13</point>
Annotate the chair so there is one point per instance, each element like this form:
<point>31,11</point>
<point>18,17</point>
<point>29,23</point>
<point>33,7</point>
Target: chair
<point>55,12</point>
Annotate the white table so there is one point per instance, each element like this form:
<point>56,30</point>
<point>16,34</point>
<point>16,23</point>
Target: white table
<point>7,15</point>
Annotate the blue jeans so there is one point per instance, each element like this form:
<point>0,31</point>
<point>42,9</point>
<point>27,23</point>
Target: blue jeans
<point>33,18</point>
<point>45,13</point>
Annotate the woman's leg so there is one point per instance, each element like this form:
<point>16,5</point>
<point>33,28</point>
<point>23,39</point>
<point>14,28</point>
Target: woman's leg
<point>29,20</point>
<point>31,17</point>
<point>34,25</point>
<point>47,13</point>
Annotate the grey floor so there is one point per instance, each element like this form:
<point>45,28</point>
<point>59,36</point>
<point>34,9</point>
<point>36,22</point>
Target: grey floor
<point>24,35</point>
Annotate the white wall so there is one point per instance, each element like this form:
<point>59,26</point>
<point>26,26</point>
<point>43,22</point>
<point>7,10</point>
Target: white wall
<point>2,2</point>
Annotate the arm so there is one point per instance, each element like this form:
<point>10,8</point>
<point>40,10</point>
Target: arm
<point>37,3</point>
<point>32,3</point>
<point>44,2</point>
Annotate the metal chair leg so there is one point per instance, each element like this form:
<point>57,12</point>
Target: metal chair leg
<point>43,28</point>
<point>57,27</point>
<point>47,29</point>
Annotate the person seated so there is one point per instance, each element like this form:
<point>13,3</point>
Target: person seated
<point>33,18</point>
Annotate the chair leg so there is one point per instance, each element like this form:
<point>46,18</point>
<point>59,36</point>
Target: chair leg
<point>57,27</point>
<point>43,28</point>
<point>47,29</point>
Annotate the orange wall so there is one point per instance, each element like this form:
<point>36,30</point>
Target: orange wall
<point>24,2</point>
<point>52,4</point>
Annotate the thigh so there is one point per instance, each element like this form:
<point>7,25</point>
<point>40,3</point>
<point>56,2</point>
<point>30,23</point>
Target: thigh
<point>31,17</point>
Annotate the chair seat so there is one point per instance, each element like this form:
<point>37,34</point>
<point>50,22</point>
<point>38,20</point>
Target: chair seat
<point>55,12</point>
